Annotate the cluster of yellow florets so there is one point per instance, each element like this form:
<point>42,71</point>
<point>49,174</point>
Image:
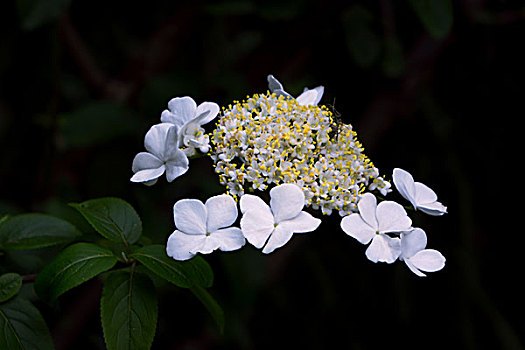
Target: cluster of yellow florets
<point>269,140</point>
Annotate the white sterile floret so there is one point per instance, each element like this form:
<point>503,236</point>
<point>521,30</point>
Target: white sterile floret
<point>203,228</point>
<point>420,195</point>
<point>273,226</point>
<point>184,113</point>
<point>161,142</point>
<point>373,223</point>
<point>308,97</point>
<point>414,254</point>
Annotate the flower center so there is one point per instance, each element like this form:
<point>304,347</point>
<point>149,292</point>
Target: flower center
<point>291,143</point>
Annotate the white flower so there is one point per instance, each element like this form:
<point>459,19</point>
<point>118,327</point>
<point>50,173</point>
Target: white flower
<point>421,196</point>
<point>415,255</point>
<point>273,226</point>
<point>203,228</point>
<point>308,97</point>
<point>184,113</point>
<point>373,222</point>
<point>161,142</point>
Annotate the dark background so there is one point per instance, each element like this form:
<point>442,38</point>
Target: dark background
<point>430,89</point>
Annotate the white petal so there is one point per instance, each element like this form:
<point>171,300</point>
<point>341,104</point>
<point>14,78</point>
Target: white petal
<point>181,110</point>
<point>384,249</point>
<point>354,226</point>
<point>250,202</point>
<point>256,230</point>
<point>145,160</point>
<point>367,206</point>
<point>414,269</point>
<point>181,245</point>
<point>307,98</point>
<point>230,238</point>
<point>190,216</point>
<point>209,244</point>
<point>257,222</point>
<point>206,112</point>
<point>404,183</point>
<point>392,217</point>
<point>320,92</point>
<point>274,84</point>
<point>426,200</point>
<point>279,237</point>
<point>167,117</point>
<point>222,212</point>
<point>148,174</point>
<point>155,139</point>
<point>303,222</point>
<point>171,146</point>
<point>424,194</point>
<point>428,260</point>
<point>435,209</point>
<point>287,201</point>
<point>177,165</point>
<point>412,242</point>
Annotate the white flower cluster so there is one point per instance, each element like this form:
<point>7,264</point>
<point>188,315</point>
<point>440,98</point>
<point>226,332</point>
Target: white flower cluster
<point>304,157</point>
<point>388,229</point>
<point>203,228</point>
<point>170,143</point>
<point>272,138</point>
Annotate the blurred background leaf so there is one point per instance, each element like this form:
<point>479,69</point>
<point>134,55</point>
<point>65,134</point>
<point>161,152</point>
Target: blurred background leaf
<point>435,15</point>
<point>35,13</point>
<point>363,43</point>
<point>97,123</point>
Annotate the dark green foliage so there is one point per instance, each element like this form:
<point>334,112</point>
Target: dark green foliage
<point>29,231</point>
<point>129,299</point>
<point>23,327</point>
<point>72,267</point>
<point>10,284</point>
<point>128,311</point>
<point>113,218</point>
<point>185,274</point>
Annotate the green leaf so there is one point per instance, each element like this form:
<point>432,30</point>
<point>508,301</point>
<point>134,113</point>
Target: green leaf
<point>10,284</point>
<point>113,218</point>
<point>128,310</point>
<point>183,274</point>
<point>22,327</point>
<point>39,12</point>
<point>28,231</point>
<point>74,266</point>
<point>436,16</point>
<point>211,305</point>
